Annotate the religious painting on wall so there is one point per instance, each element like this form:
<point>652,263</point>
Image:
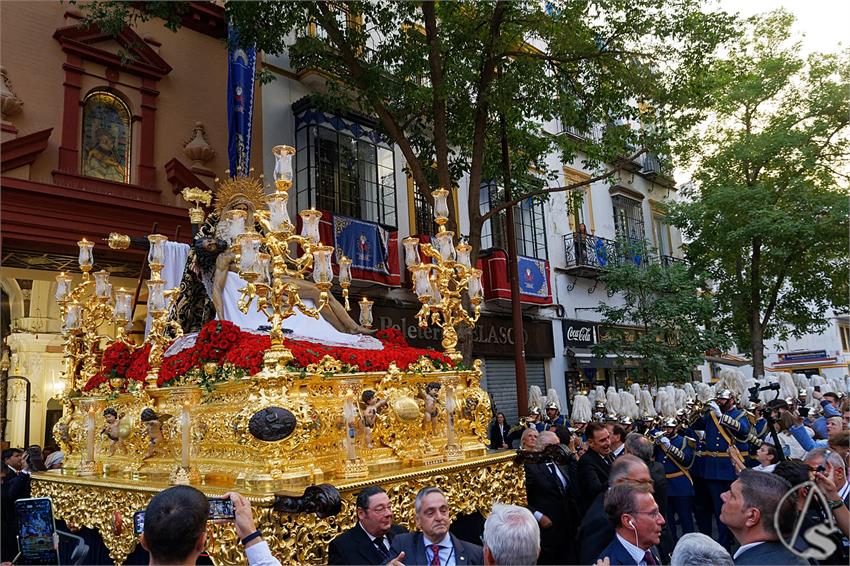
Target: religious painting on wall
<point>106,137</point>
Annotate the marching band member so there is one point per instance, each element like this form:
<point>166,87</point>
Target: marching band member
<point>724,425</point>
<point>677,453</point>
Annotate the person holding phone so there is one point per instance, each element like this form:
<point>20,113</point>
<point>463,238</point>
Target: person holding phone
<point>175,528</point>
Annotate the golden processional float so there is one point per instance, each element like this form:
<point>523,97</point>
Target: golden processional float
<point>297,427</point>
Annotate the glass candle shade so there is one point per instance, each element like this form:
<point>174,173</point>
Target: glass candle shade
<point>441,204</point>
<point>411,251</point>
<point>278,213</point>
<point>63,286</point>
<point>156,295</point>
<point>73,316</point>
<point>236,224</point>
<point>421,282</point>
<point>344,270</point>
<point>249,246</point>
<point>474,286</point>
<point>101,284</point>
<point>283,166</point>
<point>463,251</point>
<point>322,270</point>
<point>85,259</point>
<point>263,267</point>
<point>445,245</point>
<point>310,224</point>
<point>156,252</point>
<point>366,312</point>
<point>123,304</point>
<point>436,297</point>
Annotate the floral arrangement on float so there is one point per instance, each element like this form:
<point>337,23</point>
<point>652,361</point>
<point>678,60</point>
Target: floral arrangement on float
<point>224,352</point>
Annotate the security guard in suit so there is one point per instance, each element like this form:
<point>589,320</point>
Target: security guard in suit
<point>724,424</point>
<point>677,453</point>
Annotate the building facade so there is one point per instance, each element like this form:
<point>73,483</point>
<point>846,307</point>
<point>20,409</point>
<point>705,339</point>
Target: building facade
<point>99,135</point>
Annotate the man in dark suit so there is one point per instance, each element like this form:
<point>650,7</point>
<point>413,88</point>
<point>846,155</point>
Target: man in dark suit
<point>642,447</point>
<point>593,468</point>
<point>370,540</point>
<point>15,485</point>
<point>637,525</point>
<point>550,489</point>
<point>595,531</point>
<point>433,545</point>
<point>749,508</point>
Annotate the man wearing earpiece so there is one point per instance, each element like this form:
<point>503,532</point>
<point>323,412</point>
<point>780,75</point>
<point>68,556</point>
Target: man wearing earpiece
<point>637,522</point>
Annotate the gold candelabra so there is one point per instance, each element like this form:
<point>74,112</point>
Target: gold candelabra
<point>158,297</point>
<point>84,308</point>
<point>273,276</point>
<point>441,284</point>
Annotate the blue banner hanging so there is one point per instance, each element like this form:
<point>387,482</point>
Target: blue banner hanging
<point>532,277</point>
<point>364,243</point>
<point>241,65</point>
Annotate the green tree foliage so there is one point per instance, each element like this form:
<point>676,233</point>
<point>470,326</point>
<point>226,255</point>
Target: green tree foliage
<point>437,76</point>
<point>672,315</point>
<point>767,214</point>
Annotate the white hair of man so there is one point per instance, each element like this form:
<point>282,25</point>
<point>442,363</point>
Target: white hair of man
<point>511,535</point>
<point>697,548</point>
<point>423,493</point>
<point>544,439</point>
<point>832,458</point>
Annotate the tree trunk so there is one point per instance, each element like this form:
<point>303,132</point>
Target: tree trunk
<point>756,328</point>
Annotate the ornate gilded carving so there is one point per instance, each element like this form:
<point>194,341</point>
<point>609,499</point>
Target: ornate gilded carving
<point>297,528</point>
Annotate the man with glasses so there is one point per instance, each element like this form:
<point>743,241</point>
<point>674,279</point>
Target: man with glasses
<point>595,531</point>
<point>637,525</point>
<point>370,540</point>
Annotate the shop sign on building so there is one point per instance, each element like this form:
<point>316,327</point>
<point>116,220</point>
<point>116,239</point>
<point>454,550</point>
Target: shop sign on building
<point>579,334</point>
<point>493,335</point>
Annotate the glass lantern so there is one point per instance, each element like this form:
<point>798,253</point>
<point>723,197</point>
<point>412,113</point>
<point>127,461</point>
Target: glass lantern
<point>156,296</point>
<point>73,316</point>
<point>366,312</point>
<point>411,251</point>
<point>476,291</point>
<point>101,284</point>
<point>310,225</point>
<point>249,247</point>
<point>421,283</point>
<point>85,259</point>
<point>344,271</point>
<point>156,253</point>
<point>436,297</point>
<point>283,166</point>
<point>445,245</point>
<point>63,286</point>
<point>264,268</point>
<point>441,204</point>
<point>322,270</point>
<point>236,224</point>
<point>278,213</point>
<point>463,257</point>
<point>123,304</point>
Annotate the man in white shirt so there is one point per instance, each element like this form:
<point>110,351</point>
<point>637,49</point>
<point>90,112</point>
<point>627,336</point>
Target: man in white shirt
<point>748,510</point>
<point>370,540</point>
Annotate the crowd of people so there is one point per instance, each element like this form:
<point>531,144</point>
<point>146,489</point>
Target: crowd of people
<point>721,475</point>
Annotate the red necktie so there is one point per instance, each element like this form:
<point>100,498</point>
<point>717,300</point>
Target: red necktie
<point>649,559</point>
<point>435,560</point>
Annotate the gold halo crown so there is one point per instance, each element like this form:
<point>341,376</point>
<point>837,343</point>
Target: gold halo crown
<point>249,188</point>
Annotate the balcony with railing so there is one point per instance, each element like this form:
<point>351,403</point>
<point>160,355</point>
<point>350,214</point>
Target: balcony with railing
<point>656,170</point>
<point>587,255</point>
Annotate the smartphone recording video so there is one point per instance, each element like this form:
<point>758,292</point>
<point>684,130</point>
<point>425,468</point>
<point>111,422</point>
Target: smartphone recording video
<point>138,522</point>
<point>36,531</point>
<point>221,508</point>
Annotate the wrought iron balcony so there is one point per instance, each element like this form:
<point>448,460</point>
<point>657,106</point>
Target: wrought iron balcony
<point>587,255</point>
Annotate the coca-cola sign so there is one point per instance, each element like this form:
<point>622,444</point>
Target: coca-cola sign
<point>579,334</point>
